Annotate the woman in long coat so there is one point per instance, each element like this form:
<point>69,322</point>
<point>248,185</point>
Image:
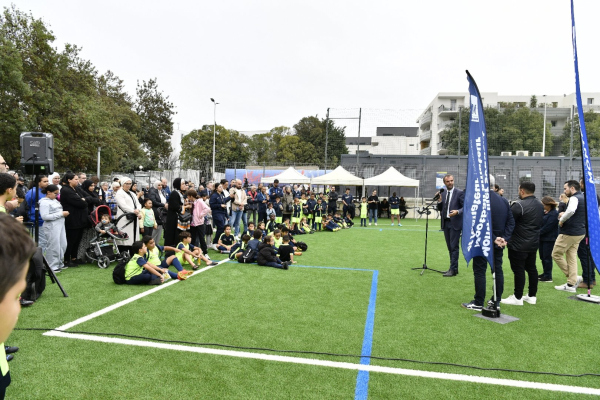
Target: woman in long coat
<point>158,201</point>
<point>176,201</point>
<point>127,202</point>
<point>88,190</point>
<point>73,201</point>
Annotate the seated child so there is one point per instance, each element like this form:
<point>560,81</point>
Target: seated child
<point>286,232</point>
<point>271,225</point>
<point>238,249</point>
<point>278,239</point>
<point>105,226</point>
<point>226,241</point>
<point>138,271</point>
<point>337,218</point>
<point>155,256</point>
<point>261,227</point>
<point>267,255</point>
<point>330,224</point>
<point>255,241</point>
<point>286,250</point>
<point>305,226</point>
<point>249,229</point>
<point>348,220</point>
<point>189,252</point>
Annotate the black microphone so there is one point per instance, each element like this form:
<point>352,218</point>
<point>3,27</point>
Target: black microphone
<point>437,196</point>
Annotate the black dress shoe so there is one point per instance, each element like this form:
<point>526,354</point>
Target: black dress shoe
<point>26,303</point>
<point>9,357</point>
<point>10,349</point>
<point>450,272</point>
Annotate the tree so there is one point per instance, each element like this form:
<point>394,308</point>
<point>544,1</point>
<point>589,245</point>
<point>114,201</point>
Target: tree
<point>592,127</point>
<point>156,127</point>
<point>264,148</point>
<point>533,101</point>
<point>197,146</point>
<point>510,129</point>
<point>293,150</point>
<point>323,134</point>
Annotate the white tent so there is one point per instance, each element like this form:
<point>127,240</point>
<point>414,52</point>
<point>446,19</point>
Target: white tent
<point>338,176</point>
<point>290,175</point>
<point>393,178</point>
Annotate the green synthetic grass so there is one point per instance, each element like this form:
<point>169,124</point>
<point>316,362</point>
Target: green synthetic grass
<point>323,310</point>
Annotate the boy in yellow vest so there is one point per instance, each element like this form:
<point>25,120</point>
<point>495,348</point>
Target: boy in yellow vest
<point>138,271</point>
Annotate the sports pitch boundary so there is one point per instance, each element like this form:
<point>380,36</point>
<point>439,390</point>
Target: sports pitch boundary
<point>367,368</point>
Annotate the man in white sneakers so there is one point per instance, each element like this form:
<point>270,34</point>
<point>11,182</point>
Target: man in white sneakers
<point>572,231</point>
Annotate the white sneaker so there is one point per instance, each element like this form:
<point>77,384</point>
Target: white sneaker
<point>578,281</point>
<point>375,223</point>
<point>392,224</point>
<point>566,288</point>
<point>530,300</point>
<point>512,300</point>
<point>370,224</point>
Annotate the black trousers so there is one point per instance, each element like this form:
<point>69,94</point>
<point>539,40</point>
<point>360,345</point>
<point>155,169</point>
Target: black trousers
<point>521,262</point>
<point>546,257</point>
<point>452,237</point>
<point>349,210</point>
<point>588,268</point>
<point>262,217</point>
<point>198,237</point>
<point>73,240</point>
<point>480,266</point>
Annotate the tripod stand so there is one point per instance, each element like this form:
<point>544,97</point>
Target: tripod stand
<point>427,212</point>
<point>36,227</point>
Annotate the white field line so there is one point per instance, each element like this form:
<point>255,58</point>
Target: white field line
<point>335,364</point>
<point>130,300</point>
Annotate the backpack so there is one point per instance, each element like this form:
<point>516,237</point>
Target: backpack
<point>302,246</point>
<point>248,256</point>
<point>36,276</point>
<point>119,271</point>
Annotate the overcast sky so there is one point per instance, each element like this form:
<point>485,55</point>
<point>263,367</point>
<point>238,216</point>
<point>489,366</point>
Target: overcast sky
<point>270,63</point>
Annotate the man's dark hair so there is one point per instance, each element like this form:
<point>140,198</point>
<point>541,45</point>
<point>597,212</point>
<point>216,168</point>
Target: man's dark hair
<point>496,187</point>
<point>276,231</point>
<point>6,182</point>
<point>257,234</point>
<point>574,185</point>
<point>184,234</point>
<point>284,229</point>
<point>276,181</point>
<point>224,181</point>
<point>528,187</point>
<point>136,247</point>
<point>21,193</point>
<point>146,239</point>
<point>16,248</point>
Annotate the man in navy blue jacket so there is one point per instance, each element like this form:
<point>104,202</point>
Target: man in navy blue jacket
<point>450,204</point>
<point>503,224</point>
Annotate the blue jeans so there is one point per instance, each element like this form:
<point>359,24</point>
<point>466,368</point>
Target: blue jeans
<point>373,214</point>
<point>236,217</point>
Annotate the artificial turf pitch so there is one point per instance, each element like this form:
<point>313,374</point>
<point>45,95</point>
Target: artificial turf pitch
<point>306,309</point>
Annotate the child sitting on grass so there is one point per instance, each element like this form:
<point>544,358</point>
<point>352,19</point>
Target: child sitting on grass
<point>286,250</point>
<point>226,241</point>
<point>249,229</point>
<point>148,221</point>
<point>286,232</point>
<point>329,224</point>
<point>348,220</point>
<point>155,256</point>
<point>255,242</point>
<point>261,227</point>
<point>271,225</point>
<point>306,226</point>
<point>267,255</point>
<point>16,248</point>
<point>138,271</point>
<point>278,239</point>
<point>189,252</point>
<point>238,249</point>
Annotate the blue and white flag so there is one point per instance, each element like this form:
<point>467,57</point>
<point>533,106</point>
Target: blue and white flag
<point>477,217</point>
<point>593,216</point>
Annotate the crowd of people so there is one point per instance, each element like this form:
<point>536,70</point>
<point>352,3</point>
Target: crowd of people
<point>529,228</point>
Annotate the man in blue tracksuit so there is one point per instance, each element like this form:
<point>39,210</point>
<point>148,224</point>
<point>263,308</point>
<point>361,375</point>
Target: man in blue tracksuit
<point>275,191</point>
<point>348,204</point>
<point>261,199</point>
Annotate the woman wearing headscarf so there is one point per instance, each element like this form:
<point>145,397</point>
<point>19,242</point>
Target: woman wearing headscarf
<point>175,206</point>
<point>54,179</point>
<point>127,202</point>
<point>74,202</point>
<point>158,201</point>
<point>88,190</point>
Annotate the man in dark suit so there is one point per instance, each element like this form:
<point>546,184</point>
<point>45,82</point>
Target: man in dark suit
<point>450,204</point>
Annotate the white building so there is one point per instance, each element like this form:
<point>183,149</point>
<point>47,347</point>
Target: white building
<point>388,140</point>
<point>443,110</point>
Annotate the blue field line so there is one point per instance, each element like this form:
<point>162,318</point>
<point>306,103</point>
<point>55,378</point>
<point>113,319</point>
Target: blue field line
<point>362,379</point>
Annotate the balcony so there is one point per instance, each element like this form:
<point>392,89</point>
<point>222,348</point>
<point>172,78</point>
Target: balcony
<point>444,125</point>
<point>447,111</point>
<point>425,136</point>
<point>425,152</point>
<point>442,150</point>
<point>425,119</point>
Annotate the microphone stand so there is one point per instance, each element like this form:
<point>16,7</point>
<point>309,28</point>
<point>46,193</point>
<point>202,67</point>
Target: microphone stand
<point>426,209</point>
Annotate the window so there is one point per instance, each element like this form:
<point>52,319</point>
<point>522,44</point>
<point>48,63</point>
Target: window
<point>453,104</point>
<point>549,183</point>
<point>553,123</point>
<point>555,104</point>
<point>590,101</point>
<point>524,176</point>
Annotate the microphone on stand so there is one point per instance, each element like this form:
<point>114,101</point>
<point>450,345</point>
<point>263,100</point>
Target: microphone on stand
<point>437,196</point>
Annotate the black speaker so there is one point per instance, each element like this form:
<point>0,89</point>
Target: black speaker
<point>37,153</point>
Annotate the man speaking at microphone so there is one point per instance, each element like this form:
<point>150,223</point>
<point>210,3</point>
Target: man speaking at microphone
<point>450,204</point>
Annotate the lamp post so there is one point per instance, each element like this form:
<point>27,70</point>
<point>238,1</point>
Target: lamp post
<point>214,135</point>
<point>544,138</point>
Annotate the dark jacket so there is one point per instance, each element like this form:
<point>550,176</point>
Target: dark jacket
<point>503,222</point>
<point>549,231</point>
<point>156,204</point>
<point>456,203</point>
<point>171,233</point>
<point>529,216</point>
<point>71,200</point>
<point>215,202</point>
<point>266,253</point>
<point>252,200</point>
<point>91,198</point>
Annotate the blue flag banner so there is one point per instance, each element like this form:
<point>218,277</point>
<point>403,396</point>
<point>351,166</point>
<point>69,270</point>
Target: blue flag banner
<point>477,217</point>
<point>593,216</point>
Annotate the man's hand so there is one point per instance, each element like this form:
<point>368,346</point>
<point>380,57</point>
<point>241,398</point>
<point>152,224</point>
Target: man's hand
<point>500,242</point>
<point>65,214</point>
<point>167,206</point>
<point>560,215</point>
<point>560,223</point>
<point>453,213</point>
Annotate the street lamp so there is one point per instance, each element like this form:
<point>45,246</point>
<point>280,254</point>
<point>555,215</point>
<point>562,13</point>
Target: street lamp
<point>214,136</point>
<point>544,139</point>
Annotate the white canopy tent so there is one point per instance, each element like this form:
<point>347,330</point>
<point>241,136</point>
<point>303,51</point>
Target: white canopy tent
<point>338,176</point>
<point>290,175</point>
<point>391,177</point>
